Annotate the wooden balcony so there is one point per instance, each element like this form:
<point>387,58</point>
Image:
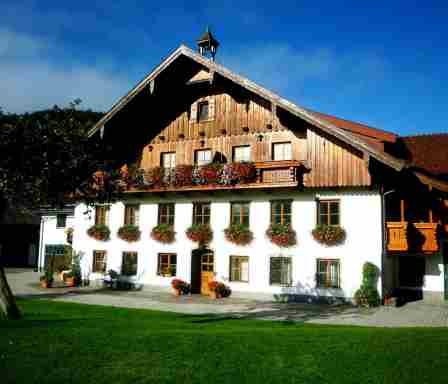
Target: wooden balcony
<point>412,237</point>
<point>258,175</point>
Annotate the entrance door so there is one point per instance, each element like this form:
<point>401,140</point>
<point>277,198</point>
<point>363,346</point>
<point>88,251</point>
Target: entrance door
<point>207,270</point>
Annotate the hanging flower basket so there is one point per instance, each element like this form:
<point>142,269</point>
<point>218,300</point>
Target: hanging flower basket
<point>99,232</point>
<point>329,235</point>
<point>282,235</point>
<point>200,233</point>
<point>239,234</point>
<point>129,233</point>
<point>163,233</point>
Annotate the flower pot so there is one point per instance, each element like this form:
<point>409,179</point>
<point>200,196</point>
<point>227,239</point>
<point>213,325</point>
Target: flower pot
<point>70,281</point>
<point>178,292</point>
<point>215,295</point>
<point>46,284</point>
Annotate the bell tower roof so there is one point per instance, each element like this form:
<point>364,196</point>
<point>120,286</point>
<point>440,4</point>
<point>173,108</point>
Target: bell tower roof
<point>207,44</point>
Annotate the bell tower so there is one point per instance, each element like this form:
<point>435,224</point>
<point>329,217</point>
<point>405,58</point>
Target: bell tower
<point>207,45</point>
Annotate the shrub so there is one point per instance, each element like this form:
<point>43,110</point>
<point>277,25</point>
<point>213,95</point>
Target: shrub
<point>367,295</point>
<point>163,233</point>
<point>201,233</point>
<point>129,233</point>
<point>180,285</point>
<point>329,235</point>
<point>99,232</point>
<point>219,288</point>
<point>282,235</point>
<point>239,234</point>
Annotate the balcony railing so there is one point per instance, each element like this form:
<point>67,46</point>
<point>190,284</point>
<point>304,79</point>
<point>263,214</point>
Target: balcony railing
<point>403,236</point>
<point>267,174</point>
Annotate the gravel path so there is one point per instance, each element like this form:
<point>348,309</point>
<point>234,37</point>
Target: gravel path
<point>417,314</point>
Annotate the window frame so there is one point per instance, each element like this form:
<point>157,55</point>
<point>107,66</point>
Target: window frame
<point>95,263</point>
<point>289,279</point>
<point>131,214</point>
<point>104,216</point>
<point>201,214</point>
<point>328,215</point>
<point>162,156</point>
<point>285,219</point>
<point>201,105</point>
<point>282,143</point>
<point>169,264</point>
<point>170,216</point>
<point>236,147</point>
<point>134,270</point>
<point>328,262</point>
<point>204,162</point>
<point>232,260</point>
<point>60,216</point>
<point>240,214</point>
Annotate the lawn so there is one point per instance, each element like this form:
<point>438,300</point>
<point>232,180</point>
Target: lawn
<point>74,343</point>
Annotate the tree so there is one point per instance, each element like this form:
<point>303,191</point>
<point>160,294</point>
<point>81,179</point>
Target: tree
<point>47,160</point>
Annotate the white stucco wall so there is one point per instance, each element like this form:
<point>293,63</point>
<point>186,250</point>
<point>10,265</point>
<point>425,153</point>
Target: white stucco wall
<point>360,213</point>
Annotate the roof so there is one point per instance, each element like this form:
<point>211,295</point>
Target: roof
<point>428,153</point>
<point>320,121</point>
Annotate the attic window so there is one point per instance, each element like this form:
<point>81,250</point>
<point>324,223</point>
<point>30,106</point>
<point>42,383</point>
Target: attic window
<point>203,114</point>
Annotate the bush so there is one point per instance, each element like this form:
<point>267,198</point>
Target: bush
<point>129,233</point>
<point>239,234</point>
<point>282,235</point>
<point>163,233</point>
<point>201,233</point>
<point>329,235</point>
<point>99,232</point>
<point>367,295</point>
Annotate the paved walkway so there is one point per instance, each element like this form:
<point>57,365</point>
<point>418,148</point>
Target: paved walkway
<point>25,284</point>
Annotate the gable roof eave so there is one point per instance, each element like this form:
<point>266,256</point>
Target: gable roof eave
<point>300,112</point>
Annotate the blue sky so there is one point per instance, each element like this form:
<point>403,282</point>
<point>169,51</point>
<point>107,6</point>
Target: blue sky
<point>383,64</point>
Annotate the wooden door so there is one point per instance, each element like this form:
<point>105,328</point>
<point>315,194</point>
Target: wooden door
<point>207,271</point>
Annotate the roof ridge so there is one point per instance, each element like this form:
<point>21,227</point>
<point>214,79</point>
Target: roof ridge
<point>425,135</point>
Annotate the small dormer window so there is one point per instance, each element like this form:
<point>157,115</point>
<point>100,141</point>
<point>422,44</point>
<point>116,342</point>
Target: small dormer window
<point>203,111</point>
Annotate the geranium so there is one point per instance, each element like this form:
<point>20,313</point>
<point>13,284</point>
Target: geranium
<point>211,173</point>
<point>200,233</point>
<point>282,235</point>
<point>329,235</point>
<point>184,175</point>
<point>180,285</point>
<point>219,288</point>
<point>163,233</point>
<point>129,233</point>
<point>99,232</point>
<point>239,234</point>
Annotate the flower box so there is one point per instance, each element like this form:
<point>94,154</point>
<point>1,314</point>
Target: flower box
<point>238,234</point>
<point>99,232</point>
<point>200,233</point>
<point>129,233</point>
<point>282,235</point>
<point>329,235</point>
<point>163,233</point>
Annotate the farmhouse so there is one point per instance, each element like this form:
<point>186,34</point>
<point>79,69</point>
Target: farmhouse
<point>229,181</point>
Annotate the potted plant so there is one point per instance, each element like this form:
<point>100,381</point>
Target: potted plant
<point>99,232</point>
<point>69,234</point>
<point>367,295</point>
<point>46,280</point>
<point>238,234</point>
<point>73,277</point>
<point>180,287</point>
<point>129,233</point>
<point>163,233</point>
<point>200,233</point>
<point>329,235</point>
<point>218,289</point>
<point>282,235</point>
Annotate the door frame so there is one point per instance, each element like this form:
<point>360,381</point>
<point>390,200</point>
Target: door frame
<point>196,267</point>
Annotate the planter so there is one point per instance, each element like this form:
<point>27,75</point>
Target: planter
<point>329,235</point>
<point>215,295</point>
<point>282,235</point>
<point>200,233</point>
<point>180,287</point>
<point>70,281</point>
<point>46,284</point>
<point>178,292</point>
<point>163,233</point>
<point>239,234</point>
<point>129,233</point>
<point>99,232</point>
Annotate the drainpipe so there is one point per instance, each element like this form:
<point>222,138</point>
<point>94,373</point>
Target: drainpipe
<point>41,245</point>
<point>384,231</point>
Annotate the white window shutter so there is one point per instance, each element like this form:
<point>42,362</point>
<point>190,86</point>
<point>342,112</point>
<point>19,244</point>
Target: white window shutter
<point>211,108</point>
<point>194,112</point>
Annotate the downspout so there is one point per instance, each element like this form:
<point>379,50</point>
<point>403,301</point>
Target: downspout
<point>384,231</point>
<point>41,244</point>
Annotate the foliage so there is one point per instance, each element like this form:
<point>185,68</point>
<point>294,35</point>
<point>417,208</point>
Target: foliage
<point>282,235</point>
<point>329,235</point>
<point>239,234</point>
<point>47,276</point>
<point>99,232</point>
<point>129,233</point>
<point>219,288</point>
<point>184,175</point>
<point>367,294</point>
<point>163,233</point>
<point>200,233</point>
<point>180,285</point>
<point>75,272</point>
<point>69,233</point>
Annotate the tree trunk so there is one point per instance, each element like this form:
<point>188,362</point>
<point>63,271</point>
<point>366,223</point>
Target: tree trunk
<point>8,306</point>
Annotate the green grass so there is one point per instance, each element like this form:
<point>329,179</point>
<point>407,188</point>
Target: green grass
<point>73,343</point>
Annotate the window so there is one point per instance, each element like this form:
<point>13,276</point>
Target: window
<point>281,271</point>
<point>201,213</point>
<point>239,213</point>
<point>241,153</point>
<point>203,157</point>
<point>166,214</point>
<point>101,214</point>
<point>131,215</point>
<point>281,212</point>
<point>129,264</point>
<point>166,265</point>
<point>99,261</point>
<point>61,220</point>
<point>239,268</point>
<point>168,160</point>
<point>328,212</point>
<point>203,110</point>
<point>281,151</point>
<point>328,273</point>
<point>207,262</point>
